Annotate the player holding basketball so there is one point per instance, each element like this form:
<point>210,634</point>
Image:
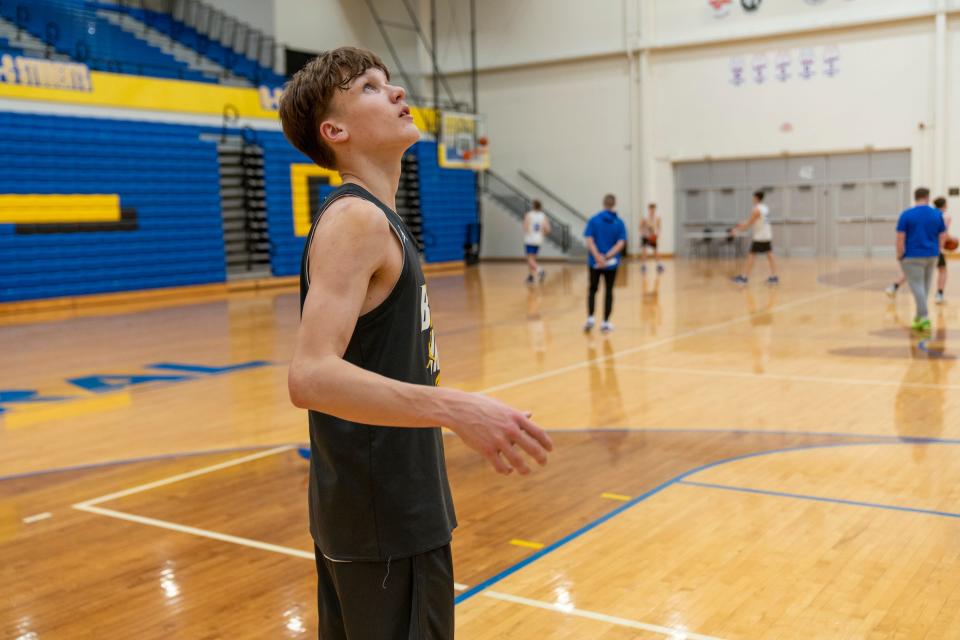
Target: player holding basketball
<point>649,233</point>
<point>759,222</point>
<point>941,205</point>
<point>366,366</point>
<point>536,226</point>
<point>920,236</point>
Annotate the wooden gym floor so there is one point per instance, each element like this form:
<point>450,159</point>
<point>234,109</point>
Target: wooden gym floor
<point>755,463</point>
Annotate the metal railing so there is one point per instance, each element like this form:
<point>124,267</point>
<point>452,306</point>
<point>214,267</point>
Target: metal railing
<point>563,203</point>
<point>216,26</point>
<point>518,203</point>
<point>410,80</point>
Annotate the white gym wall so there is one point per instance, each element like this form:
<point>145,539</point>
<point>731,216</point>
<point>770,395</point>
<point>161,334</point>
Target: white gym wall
<point>604,96</point>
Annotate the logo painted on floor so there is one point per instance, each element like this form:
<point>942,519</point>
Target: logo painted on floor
<point>173,372</point>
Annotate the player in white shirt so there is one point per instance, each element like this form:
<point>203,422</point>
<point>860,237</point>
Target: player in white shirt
<point>759,221</point>
<point>536,226</point>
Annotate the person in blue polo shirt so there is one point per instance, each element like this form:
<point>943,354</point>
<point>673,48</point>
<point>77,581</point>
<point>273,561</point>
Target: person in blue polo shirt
<point>606,237</point>
<point>920,235</point>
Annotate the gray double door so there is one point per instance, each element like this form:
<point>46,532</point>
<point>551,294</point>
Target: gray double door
<point>824,205</point>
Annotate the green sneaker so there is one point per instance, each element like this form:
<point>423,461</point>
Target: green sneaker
<point>921,325</point>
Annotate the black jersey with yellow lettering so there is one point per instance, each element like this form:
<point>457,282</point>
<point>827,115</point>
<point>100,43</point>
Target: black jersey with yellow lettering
<point>381,492</point>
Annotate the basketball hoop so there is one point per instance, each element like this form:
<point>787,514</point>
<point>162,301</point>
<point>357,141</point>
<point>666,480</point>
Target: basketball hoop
<point>463,141</point>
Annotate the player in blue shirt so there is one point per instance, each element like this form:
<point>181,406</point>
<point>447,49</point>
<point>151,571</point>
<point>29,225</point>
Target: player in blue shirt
<point>606,237</point>
<point>920,235</point>
<point>941,206</point>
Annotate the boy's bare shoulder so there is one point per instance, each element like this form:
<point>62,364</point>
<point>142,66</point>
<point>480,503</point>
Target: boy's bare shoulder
<point>351,216</point>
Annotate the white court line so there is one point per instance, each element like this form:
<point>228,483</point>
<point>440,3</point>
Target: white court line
<point>674,634</point>
<point>213,535</point>
<point>183,476</point>
<point>659,343</point>
<point>203,533</point>
<point>37,518</point>
<point>88,506</point>
<point>786,377</point>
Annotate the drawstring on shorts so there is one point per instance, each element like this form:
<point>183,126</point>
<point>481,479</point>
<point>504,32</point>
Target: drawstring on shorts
<point>384,585</point>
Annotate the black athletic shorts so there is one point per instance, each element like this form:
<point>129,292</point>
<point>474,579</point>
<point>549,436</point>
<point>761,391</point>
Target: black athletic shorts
<point>404,599</point>
<point>761,246</point>
<point>647,242</point>
<point>942,261</point>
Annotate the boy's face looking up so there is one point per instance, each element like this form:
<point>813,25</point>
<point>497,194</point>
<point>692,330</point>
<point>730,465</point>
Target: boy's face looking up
<point>370,116</point>
<point>341,108</point>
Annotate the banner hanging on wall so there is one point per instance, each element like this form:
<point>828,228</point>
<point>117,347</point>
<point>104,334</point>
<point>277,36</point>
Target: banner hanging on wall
<point>48,74</point>
<point>721,8</point>
<point>783,65</point>
<point>759,66</point>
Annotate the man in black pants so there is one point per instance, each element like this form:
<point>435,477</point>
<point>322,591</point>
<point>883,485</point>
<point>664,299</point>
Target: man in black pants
<point>606,237</point>
<point>366,367</point>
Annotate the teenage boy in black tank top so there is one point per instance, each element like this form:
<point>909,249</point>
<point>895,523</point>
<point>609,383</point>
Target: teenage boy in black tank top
<point>366,367</point>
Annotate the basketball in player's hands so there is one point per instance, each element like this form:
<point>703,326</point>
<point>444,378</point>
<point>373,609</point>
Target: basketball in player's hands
<point>951,243</point>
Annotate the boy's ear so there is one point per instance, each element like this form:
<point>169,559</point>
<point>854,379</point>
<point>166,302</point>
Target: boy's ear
<point>332,132</point>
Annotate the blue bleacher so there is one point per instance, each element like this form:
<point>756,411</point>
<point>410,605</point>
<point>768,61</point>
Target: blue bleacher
<point>75,30</point>
<point>163,171</point>
<point>8,47</point>
<point>190,37</point>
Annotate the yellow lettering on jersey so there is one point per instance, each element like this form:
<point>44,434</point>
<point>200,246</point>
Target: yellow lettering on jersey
<point>426,324</point>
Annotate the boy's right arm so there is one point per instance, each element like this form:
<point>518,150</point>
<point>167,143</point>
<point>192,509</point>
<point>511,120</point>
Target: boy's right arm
<point>349,251</point>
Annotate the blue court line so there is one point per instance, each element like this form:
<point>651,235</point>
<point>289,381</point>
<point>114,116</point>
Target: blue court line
<point>767,432</point>
<point>489,582</point>
<point>753,432</point>
<point>802,496</point>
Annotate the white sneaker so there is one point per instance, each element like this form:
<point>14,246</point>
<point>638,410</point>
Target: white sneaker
<point>606,326</point>
<point>939,298</point>
<point>891,291</point>
<point>588,325</point>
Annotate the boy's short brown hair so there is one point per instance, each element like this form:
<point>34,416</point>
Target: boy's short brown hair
<point>306,98</point>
